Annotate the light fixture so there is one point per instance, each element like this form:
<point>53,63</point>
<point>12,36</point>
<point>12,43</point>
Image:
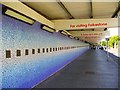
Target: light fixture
<point>76,38</point>
<point>67,32</point>
<point>70,36</point>
<point>18,16</point>
<point>64,32</point>
<point>48,29</point>
<point>85,41</point>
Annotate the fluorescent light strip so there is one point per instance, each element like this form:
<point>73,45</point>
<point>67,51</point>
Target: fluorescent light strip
<point>48,29</point>
<point>64,33</point>
<point>71,37</point>
<point>67,32</point>
<point>19,16</point>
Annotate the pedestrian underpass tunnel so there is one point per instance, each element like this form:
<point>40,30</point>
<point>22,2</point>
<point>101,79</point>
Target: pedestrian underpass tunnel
<point>48,44</point>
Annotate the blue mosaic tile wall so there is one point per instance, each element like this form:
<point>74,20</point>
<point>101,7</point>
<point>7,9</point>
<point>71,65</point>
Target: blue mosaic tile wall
<point>0,47</point>
<point>26,71</point>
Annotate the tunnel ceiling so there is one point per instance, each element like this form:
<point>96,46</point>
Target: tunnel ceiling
<point>76,10</point>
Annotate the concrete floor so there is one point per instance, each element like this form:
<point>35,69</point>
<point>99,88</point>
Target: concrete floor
<point>90,70</point>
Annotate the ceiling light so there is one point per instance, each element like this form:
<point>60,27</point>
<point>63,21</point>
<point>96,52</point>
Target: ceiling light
<point>71,36</point>
<point>67,32</point>
<point>48,29</point>
<point>64,32</point>
<point>76,38</point>
<point>18,16</point>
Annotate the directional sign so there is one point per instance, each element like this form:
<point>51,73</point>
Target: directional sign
<point>90,35</point>
<point>73,24</point>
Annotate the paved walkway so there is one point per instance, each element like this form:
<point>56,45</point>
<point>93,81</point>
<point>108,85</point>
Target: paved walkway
<point>90,70</point>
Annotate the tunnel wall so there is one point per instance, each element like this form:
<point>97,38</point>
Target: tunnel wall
<point>0,47</point>
<point>25,71</point>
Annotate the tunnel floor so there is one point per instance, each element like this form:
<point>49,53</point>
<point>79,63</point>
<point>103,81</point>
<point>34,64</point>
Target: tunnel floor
<point>90,70</point>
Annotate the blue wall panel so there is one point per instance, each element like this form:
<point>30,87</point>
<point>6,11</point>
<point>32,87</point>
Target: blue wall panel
<point>0,47</point>
<point>28,70</point>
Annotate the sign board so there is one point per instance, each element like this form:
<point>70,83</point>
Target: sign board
<point>90,35</point>
<point>73,24</point>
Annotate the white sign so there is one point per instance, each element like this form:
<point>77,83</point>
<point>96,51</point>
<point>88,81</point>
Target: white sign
<point>73,24</point>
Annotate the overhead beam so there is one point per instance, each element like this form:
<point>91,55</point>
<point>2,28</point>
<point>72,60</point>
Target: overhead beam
<point>68,13</point>
<point>65,9</point>
<point>46,16</point>
<point>91,9</point>
<point>115,12</point>
<point>77,24</point>
<point>23,9</point>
